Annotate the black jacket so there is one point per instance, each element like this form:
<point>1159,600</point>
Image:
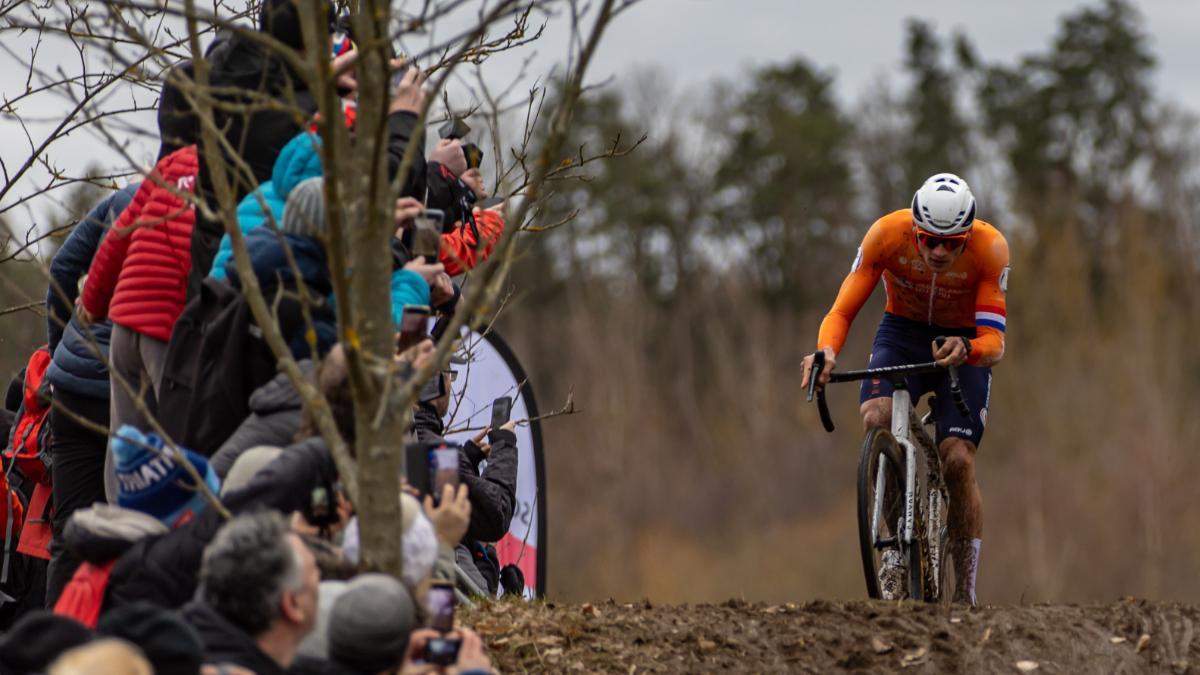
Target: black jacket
<point>164,570</point>
<point>494,492</point>
<point>276,412</point>
<point>225,643</point>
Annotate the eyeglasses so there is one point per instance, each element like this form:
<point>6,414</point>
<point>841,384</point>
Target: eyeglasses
<point>932,241</point>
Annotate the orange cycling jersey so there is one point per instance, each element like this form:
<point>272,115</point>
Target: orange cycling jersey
<point>969,294</point>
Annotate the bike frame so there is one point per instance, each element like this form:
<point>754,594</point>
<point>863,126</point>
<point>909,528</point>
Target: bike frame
<point>901,428</point>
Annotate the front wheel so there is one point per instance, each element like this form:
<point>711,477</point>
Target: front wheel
<point>880,515</point>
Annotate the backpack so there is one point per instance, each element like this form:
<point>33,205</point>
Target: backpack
<point>215,359</point>
<point>27,476</point>
<point>26,496</point>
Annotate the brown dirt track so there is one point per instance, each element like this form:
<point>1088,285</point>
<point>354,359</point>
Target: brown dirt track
<point>1133,636</point>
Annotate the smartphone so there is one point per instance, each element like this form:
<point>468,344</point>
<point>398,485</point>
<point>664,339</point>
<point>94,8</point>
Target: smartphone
<point>427,238</point>
<point>444,463</point>
<point>416,467</point>
<point>398,76</point>
<point>414,326</point>
<point>501,411</point>
<point>439,606</point>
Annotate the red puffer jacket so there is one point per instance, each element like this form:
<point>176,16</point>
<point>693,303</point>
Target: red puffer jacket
<point>139,275</point>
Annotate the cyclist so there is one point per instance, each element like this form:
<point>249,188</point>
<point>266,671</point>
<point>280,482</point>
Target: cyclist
<point>944,273</point>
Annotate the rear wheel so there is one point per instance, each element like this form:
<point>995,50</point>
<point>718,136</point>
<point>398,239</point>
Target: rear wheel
<point>877,529</point>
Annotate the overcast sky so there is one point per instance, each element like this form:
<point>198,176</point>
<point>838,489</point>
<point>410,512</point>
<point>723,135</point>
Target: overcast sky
<point>859,40</point>
<point>695,41</point>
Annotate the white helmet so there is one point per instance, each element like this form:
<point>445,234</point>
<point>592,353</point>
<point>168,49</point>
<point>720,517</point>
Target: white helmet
<point>944,205</point>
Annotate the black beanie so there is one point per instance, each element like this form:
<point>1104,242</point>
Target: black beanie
<point>37,639</point>
<point>170,644</point>
<point>281,20</point>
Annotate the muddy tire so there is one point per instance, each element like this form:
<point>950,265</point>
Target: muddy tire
<point>880,447</point>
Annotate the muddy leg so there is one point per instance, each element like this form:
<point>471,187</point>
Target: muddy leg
<point>966,514</point>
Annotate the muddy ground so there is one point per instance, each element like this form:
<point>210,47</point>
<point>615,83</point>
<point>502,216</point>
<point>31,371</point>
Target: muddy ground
<point>1132,636</point>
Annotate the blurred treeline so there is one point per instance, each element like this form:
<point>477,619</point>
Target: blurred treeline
<point>680,300</point>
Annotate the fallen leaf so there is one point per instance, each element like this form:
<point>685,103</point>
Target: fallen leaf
<point>1027,666</point>
<point>987,634</point>
<point>1116,640</point>
<point>707,645</point>
<point>1143,642</point>
<point>956,619</point>
<point>880,646</point>
<point>914,658</point>
<point>549,640</point>
<point>590,610</point>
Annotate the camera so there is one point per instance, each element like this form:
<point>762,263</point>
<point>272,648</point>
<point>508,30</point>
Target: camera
<point>442,651</point>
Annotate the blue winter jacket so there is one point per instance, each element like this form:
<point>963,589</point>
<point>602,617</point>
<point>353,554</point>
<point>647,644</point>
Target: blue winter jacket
<point>74,366</point>
<point>299,160</point>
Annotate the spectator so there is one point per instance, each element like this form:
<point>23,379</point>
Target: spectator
<point>493,492</point>
<point>298,161</point>
<point>258,595</point>
<point>302,235</point>
<point>276,412</point>
<point>419,543</point>
<point>79,375</point>
<point>169,643</point>
<point>152,483</point>
<point>103,657</point>
<point>138,279</point>
<point>369,625</point>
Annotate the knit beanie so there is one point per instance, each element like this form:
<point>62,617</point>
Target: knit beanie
<point>151,480</point>
<point>37,639</point>
<point>170,644</point>
<point>370,623</point>
<point>418,545</point>
<point>247,465</point>
<point>304,213</point>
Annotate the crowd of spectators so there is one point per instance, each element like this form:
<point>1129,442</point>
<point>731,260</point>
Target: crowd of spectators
<point>237,551</point>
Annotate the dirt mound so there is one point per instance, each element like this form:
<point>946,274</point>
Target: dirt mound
<point>1133,636</point>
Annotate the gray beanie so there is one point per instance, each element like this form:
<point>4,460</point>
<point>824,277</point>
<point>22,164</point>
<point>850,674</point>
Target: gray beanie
<point>370,623</point>
<point>247,465</point>
<point>304,212</point>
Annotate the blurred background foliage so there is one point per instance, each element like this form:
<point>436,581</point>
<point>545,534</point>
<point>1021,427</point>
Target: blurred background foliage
<point>678,303</point>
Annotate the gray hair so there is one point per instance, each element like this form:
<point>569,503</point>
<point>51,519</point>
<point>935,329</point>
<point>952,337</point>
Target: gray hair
<point>248,567</point>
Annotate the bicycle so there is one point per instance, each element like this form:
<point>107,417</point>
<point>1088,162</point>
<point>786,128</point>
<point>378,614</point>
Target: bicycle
<point>897,510</point>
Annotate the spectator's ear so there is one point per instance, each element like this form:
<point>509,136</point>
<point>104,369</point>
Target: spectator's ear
<point>291,608</point>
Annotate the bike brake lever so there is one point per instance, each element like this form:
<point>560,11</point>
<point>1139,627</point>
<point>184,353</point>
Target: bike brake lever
<point>818,365</point>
